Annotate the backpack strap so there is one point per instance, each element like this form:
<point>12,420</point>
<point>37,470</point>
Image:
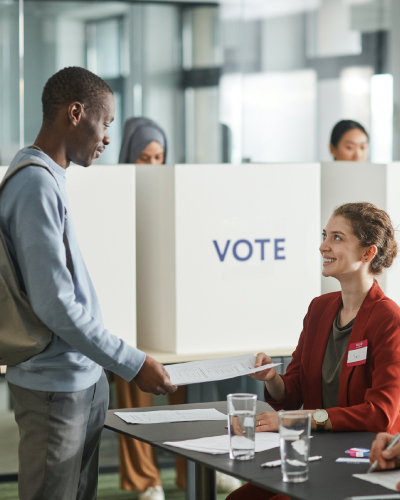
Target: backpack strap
<point>28,163</point>
<point>23,164</point>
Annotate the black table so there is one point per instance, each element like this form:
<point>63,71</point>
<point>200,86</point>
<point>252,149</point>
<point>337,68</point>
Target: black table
<point>327,480</point>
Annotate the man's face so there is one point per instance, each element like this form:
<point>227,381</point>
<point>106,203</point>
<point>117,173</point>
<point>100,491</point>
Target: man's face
<point>91,134</point>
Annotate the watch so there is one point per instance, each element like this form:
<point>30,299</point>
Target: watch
<point>320,417</point>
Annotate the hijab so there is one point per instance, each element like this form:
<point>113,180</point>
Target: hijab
<point>137,135</point>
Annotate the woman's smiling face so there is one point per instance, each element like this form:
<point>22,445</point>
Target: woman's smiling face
<point>341,250</point>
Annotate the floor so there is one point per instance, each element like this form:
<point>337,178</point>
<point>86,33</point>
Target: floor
<point>109,490</point>
<point>108,482</point>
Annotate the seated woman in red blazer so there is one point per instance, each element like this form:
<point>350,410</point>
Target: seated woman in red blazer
<point>344,388</point>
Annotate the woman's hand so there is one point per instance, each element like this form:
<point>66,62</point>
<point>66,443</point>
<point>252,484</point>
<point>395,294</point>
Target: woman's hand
<point>387,459</point>
<point>268,421</point>
<point>265,375</point>
<point>272,379</point>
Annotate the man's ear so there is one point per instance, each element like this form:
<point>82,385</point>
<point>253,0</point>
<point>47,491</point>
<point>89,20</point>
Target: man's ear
<point>75,112</point>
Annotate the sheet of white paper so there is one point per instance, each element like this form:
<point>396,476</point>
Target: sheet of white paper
<point>220,444</point>
<point>387,479</point>
<point>163,416</point>
<point>195,372</point>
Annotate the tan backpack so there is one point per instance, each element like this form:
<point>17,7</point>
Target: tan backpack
<point>22,333</point>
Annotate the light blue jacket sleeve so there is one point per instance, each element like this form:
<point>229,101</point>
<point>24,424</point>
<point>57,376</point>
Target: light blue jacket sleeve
<point>33,207</point>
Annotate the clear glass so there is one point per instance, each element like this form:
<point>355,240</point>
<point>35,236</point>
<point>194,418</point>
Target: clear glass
<point>294,432</point>
<point>242,425</point>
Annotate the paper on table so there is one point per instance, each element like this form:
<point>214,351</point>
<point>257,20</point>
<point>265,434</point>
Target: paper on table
<point>163,416</point>
<point>387,479</point>
<point>220,444</point>
<point>214,369</point>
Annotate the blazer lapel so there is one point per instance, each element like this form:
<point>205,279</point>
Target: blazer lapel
<point>318,350</point>
<point>357,334</point>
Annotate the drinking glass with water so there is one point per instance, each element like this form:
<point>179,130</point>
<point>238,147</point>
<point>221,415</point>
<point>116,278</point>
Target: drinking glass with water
<point>242,425</point>
<point>294,432</point>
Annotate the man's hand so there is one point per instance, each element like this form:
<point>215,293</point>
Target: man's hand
<point>153,377</point>
<point>387,459</point>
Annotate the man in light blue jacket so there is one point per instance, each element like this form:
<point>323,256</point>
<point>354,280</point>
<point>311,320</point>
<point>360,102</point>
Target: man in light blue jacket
<point>61,395</point>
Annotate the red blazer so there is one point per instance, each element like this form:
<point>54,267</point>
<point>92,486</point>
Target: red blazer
<point>369,394</point>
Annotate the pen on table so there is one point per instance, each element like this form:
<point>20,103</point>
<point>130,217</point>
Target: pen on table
<point>375,464</point>
<point>277,463</point>
<point>376,497</point>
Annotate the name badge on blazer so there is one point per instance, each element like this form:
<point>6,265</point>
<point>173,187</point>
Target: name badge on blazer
<point>357,353</point>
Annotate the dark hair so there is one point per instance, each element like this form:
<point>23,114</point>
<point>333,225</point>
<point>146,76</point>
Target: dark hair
<point>372,226</point>
<point>342,127</point>
<point>72,84</point>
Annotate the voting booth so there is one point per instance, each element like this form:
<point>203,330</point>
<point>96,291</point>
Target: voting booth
<point>218,258</point>
<point>345,182</point>
<point>227,255</point>
<point>102,200</point>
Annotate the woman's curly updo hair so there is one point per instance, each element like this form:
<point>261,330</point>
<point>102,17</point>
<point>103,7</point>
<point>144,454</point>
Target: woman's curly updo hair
<point>371,226</point>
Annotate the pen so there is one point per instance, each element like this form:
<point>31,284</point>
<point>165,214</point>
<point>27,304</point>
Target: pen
<point>393,496</point>
<point>375,464</point>
<point>277,463</point>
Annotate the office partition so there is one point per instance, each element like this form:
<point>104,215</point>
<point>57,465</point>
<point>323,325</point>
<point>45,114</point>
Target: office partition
<point>102,200</point>
<point>220,258</point>
<point>227,255</point>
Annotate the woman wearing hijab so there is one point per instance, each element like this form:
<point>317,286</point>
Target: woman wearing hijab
<point>143,141</point>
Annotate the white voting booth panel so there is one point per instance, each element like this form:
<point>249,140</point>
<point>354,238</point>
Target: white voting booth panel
<point>345,182</point>
<point>102,200</point>
<point>227,255</point>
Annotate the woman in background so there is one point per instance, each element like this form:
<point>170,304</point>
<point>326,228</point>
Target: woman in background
<point>349,141</point>
<point>143,141</point>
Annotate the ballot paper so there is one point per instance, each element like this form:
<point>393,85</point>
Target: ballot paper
<point>216,445</point>
<point>195,372</point>
<point>165,416</point>
<point>387,479</point>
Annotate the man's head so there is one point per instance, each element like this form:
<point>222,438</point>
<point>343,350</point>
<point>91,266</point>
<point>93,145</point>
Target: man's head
<point>80,106</point>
